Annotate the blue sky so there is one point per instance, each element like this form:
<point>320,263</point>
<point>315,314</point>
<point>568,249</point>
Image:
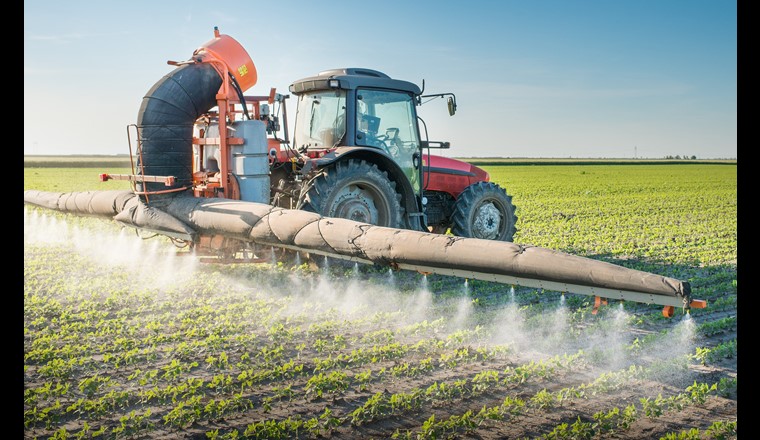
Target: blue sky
<point>538,78</point>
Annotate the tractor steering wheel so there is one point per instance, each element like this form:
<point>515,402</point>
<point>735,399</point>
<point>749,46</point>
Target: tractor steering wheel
<point>390,148</point>
<point>390,143</point>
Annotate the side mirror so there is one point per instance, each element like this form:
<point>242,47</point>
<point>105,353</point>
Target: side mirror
<point>452,106</point>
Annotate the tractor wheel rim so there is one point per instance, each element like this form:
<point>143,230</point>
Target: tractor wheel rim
<point>356,204</point>
<point>487,222</point>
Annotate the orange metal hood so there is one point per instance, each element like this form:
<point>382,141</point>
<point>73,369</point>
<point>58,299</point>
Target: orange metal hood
<point>227,50</point>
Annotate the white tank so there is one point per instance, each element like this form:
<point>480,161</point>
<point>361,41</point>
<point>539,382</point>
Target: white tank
<point>250,161</point>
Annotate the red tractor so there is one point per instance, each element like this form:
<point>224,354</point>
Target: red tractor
<point>363,157</point>
<point>357,151</point>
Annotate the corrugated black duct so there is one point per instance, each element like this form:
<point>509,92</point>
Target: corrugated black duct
<point>165,123</point>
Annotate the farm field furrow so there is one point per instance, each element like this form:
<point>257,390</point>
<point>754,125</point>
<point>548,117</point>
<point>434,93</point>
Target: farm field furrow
<point>127,338</point>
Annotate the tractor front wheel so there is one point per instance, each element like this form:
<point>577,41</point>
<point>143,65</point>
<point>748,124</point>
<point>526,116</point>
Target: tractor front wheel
<point>356,190</point>
<point>484,210</point>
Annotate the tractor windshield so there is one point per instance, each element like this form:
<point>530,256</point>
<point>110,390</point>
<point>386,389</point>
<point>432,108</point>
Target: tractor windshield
<point>386,120</point>
<point>320,119</point>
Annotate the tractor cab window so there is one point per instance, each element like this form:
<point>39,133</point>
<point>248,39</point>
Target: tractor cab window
<point>386,120</point>
<point>320,119</point>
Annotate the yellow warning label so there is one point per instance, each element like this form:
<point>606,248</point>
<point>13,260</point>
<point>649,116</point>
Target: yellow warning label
<point>242,70</point>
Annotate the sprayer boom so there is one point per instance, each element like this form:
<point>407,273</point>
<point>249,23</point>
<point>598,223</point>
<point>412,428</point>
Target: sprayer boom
<point>308,232</point>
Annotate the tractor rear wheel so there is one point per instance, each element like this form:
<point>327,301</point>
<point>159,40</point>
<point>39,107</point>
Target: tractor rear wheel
<point>484,210</point>
<point>356,190</point>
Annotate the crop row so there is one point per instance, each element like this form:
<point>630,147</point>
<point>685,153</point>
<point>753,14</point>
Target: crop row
<point>187,396</point>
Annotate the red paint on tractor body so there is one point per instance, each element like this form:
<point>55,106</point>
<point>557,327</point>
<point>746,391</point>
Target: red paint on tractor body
<point>451,175</point>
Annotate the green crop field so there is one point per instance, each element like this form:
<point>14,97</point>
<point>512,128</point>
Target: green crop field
<point>125,339</point>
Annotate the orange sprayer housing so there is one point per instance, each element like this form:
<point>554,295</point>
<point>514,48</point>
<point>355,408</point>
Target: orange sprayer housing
<point>227,50</point>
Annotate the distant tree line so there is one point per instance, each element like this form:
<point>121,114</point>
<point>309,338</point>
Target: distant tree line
<point>679,157</point>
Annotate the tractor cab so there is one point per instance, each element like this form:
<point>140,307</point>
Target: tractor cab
<point>363,109</point>
<point>359,127</point>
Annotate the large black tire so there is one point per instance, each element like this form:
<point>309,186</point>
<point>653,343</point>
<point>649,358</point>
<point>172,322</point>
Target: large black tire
<point>356,190</point>
<point>484,210</point>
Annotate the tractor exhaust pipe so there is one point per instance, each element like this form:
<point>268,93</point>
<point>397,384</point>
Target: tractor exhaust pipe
<point>187,218</point>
